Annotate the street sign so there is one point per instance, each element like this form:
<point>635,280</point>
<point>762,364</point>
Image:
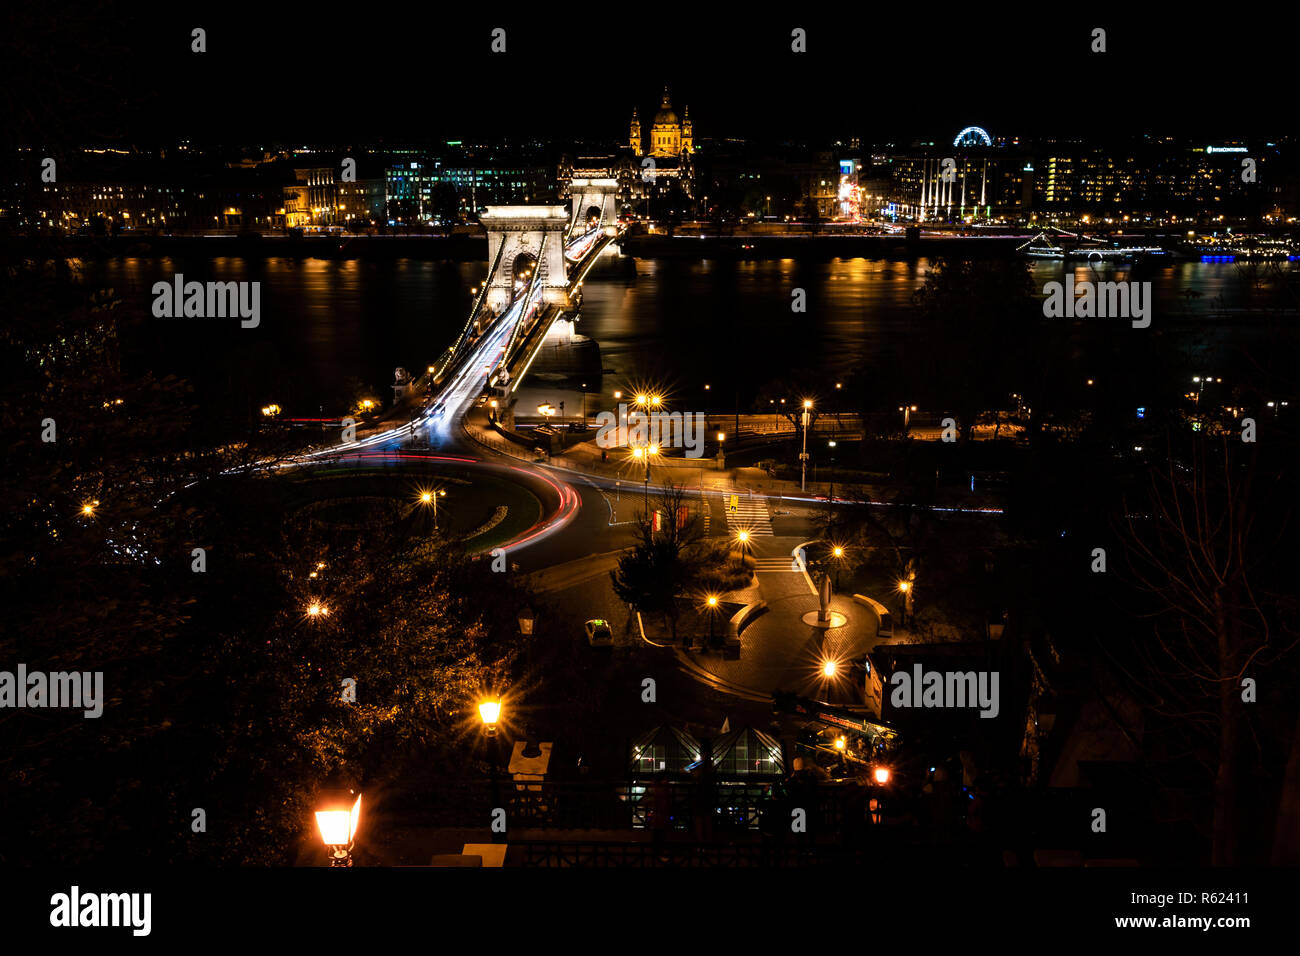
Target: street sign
<point>733,505</point>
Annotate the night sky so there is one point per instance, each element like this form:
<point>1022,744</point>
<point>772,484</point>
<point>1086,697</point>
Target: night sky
<point>361,73</point>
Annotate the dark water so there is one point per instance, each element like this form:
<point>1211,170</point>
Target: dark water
<point>328,326</point>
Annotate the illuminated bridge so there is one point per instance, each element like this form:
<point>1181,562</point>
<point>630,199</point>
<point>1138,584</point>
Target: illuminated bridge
<point>538,258</point>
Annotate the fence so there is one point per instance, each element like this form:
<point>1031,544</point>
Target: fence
<point>838,810</point>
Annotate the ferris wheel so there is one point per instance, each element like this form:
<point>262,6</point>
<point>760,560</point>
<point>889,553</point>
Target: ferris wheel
<point>973,136</point>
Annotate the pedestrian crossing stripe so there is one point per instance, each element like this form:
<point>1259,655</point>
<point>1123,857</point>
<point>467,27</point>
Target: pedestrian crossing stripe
<point>747,513</point>
<point>776,564</point>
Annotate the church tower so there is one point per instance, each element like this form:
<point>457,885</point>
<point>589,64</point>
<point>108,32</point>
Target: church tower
<point>634,136</point>
<point>688,140</point>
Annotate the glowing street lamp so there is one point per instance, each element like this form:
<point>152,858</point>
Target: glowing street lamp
<point>742,538</point>
<point>803,457</point>
<point>712,602</point>
<point>881,775</point>
<point>837,552</point>
<point>645,453</point>
<point>430,497</point>
<point>489,712</point>
<point>905,588</point>
<point>829,667</point>
<point>840,743</point>
<point>317,610</point>
<point>338,813</point>
<point>88,509</point>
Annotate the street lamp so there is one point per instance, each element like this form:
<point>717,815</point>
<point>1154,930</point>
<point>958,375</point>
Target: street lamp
<point>712,601</point>
<point>644,453</point>
<point>838,553</point>
<point>803,456</point>
<point>905,587</point>
<point>907,415</point>
<point>338,813</point>
<point>490,713</point>
<point>832,444</point>
<point>742,538</point>
<point>431,497</point>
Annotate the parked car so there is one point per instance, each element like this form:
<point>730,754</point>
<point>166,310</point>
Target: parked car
<point>599,634</point>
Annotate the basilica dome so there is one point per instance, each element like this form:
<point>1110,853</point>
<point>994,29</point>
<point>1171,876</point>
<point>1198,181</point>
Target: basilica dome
<point>666,116</point>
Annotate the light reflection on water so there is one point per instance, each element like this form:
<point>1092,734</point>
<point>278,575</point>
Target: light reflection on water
<point>673,321</point>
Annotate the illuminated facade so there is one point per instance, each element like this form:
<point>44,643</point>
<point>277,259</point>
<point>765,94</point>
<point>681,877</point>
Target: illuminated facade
<point>667,151</point>
<point>669,136</point>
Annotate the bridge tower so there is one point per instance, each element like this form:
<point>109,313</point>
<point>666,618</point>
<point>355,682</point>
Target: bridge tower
<point>590,196</point>
<point>534,238</point>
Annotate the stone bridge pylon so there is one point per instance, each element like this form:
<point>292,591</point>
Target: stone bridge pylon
<point>593,198</point>
<point>534,240</point>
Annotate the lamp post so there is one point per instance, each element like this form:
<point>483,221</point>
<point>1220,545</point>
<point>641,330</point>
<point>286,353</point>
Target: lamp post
<point>907,415</point>
<point>431,497</point>
<point>905,587</point>
<point>338,813</point>
<point>742,537</point>
<point>831,445</point>
<point>489,712</point>
<point>643,453</point>
<point>713,610</point>
<point>838,552</point>
<point>803,456</point>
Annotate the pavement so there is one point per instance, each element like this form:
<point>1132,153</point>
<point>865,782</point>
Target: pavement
<point>778,651</point>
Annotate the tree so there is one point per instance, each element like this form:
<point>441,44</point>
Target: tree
<point>1204,546</point>
<point>661,564</point>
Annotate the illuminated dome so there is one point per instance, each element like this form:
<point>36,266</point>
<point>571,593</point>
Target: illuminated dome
<point>666,116</point>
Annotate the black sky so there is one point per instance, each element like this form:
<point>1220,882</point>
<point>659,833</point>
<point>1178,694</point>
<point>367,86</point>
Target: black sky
<point>360,73</point>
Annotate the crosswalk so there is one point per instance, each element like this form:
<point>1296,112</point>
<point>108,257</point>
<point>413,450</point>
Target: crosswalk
<point>784,563</point>
<point>750,515</point>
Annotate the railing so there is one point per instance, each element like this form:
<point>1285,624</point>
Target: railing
<point>678,806</point>
<point>478,304</point>
<point>533,283</point>
<point>596,854</point>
